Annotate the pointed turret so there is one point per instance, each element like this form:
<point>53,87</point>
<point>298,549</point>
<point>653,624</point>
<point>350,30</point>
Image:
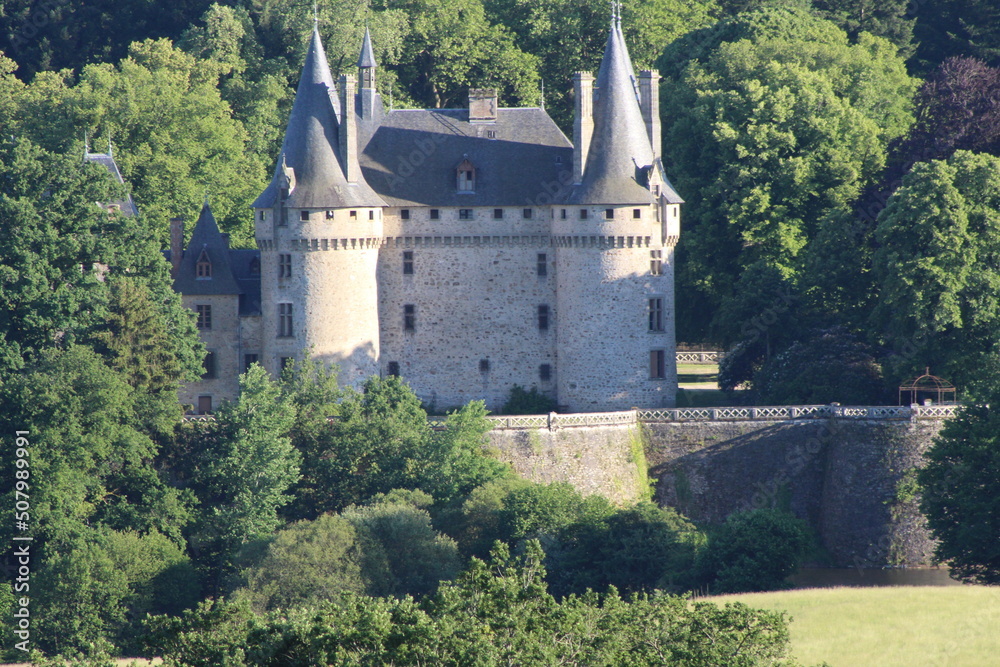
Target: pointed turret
<point>370,106</point>
<point>311,159</point>
<point>367,58</point>
<point>620,154</point>
<point>205,267</point>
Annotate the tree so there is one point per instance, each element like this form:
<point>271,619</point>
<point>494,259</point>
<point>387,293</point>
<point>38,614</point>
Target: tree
<point>936,265</point>
<point>960,495</point>
<point>884,18</point>
<point>774,119</point>
<point>948,28</point>
<point>246,468</point>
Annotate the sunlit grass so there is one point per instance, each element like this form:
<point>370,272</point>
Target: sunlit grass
<point>955,626</point>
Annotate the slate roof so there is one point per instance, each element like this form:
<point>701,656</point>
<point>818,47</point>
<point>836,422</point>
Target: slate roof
<point>620,151</point>
<point>413,156</point>
<point>367,57</point>
<point>207,237</point>
<point>311,145</point>
<point>126,206</point>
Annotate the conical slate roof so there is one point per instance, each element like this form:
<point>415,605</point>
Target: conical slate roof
<point>206,238</point>
<point>620,153</point>
<point>367,57</point>
<point>311,146</point>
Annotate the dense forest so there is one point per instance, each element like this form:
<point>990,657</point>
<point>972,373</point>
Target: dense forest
<point>841,164</point>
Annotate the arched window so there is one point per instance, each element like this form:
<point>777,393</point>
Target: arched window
<point>203,268</point>
<point>466,174</point>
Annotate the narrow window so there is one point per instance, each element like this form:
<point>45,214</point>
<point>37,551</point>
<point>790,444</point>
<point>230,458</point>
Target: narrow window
<point>435,214</point>
<point>304,216</point>
<point>204,405</point>
<point>409,317</point>
<point>249,360</point>
<point>491,134</point>
<point>465,214</point>
<point>263,216</point>
<point>407,262</point>
<point>637,213</point>
<point>656,262</point>
<point>204,317</point>
<point>404,214</point>
<point>656,314</point>
<point>657,365</point>
<point>484,365</point>
<point>371,215</point>
<point>583,214</point>
<point>526,214</point>
<point>208,367</point>
<point>563,214</point>
<point>466,174</point>
<point>498,214</point>
<point>543,265</point>
<point>393,369</point>
<point>543,318</point>
<point>609,213</point>
<point>284,265</point>
<point>203,269</point>
<point>285,327</point>
<point>545,372</point>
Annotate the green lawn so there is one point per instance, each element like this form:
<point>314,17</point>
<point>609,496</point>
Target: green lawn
<point>955,626</point>
<point>698,376</point>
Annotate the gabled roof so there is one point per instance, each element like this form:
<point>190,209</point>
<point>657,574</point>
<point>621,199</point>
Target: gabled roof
<point>620,151</point>
<point>208,239</point>
<point>367,57</point>
<point>126,206</point>
<point>311,145</point>
<point>412,157</point>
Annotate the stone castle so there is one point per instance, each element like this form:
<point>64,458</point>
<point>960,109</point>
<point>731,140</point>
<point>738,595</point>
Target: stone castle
<point>466,250</point>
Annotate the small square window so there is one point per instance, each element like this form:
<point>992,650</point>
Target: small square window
<point>249,360</point>
<point>435,214</point>
<point>286,362</point>
<point>609,213</point>
<point>657,364</point>
<point>329,215</point>
<point>407,262</point>
<point>543,265</point>
<point>637,213</point>
<point>393,369</point>
<point>491,134</point>
<point>353,214</point>
<point>498,214</point>
<point>526,214</point>
<point>204,317</point>
<point>583,214</point>
<point>404,214</point>
<point>656,262</point>
<point>545,372</point>
<point>409,317</point>
<point>208,367</point>
<point>465,214</point>
<point>304,215</point>
<point>543,318</point>
<point>484,365</point>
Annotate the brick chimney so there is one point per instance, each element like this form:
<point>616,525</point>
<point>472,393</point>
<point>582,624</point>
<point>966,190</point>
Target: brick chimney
<point>482,105</point>
<point>176,244</point>
<point>349,129</point>
<point>649,102</point>
<point>583,121</point>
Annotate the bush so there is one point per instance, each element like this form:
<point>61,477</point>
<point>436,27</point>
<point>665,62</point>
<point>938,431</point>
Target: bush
<point>754,551</point>
<point>527,402</point>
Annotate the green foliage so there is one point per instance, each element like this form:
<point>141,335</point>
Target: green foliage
<point>883,18</point>
<point>937,267</point>
<point>948,28</point>
<point>775,119</point>
<point>527,402</point>
<point>960,495</point>
<point>754,551</point>
<point>498,613</point>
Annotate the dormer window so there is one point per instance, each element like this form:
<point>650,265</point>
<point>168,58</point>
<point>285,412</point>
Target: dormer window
<point>203,268</point>
<point>466,175</point>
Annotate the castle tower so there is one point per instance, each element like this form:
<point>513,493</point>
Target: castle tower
<point>614,252</point>
<point>319,227</point>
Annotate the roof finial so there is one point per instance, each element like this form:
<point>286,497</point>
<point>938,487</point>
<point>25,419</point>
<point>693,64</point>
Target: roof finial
<point>619,14</point>
<point>613,5</point>
<point>316,14</point>
<point>206,197</point>
<point>543,95</point>
<point>86,143</point>
<point>109,144</point>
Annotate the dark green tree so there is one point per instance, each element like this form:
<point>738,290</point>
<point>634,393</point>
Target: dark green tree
<point>891,19</point>
<point>960,495</point>
<point>947,28</point>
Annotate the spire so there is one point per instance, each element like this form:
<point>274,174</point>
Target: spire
<point>310,159</point>
<point>367,57</point>
<point>621,155</point>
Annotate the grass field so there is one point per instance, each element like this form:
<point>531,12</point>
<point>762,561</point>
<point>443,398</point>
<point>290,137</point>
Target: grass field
<point>915,626</point>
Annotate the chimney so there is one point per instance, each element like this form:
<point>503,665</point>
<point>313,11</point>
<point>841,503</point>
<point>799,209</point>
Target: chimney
<point>482,105</point>
<point>649,101</point>
<point>176,244</point>
<point>349,129</point>
<point>583,122</point>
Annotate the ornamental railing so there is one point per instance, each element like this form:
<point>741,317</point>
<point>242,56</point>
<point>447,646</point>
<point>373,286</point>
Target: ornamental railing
<point>698,357</point>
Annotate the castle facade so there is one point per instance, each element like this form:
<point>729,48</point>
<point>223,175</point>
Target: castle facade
<point>466,250</point>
